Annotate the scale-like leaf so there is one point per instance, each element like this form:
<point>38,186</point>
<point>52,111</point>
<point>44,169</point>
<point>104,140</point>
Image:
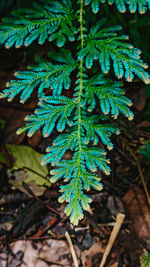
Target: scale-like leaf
<point>40,77</point>
<point>79,120</point>
<point>48,115</point>
<point>111,96</point>
<point>134,5</point>
<point>50,20</point>
<point>105,45</point>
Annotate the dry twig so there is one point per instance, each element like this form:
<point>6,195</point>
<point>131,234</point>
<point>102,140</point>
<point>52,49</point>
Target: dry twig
<point>114,233</point>
<point>72,249</point>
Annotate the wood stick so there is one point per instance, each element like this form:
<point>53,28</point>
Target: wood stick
<point>72,249</point>
<point>114,233</point>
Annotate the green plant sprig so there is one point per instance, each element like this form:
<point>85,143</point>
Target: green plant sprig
<point>80,128</point>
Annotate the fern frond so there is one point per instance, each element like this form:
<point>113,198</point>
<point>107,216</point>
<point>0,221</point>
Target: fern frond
<point>94,159</point>
<point>105,45</point>
<point>73,192</point>
<point>49,114</point>
<point>94,130</point>
<point>59,146</point>
<point>111,96</point>
<point>81,180</point>
<point>62,111</point>
<point>50,20</point>
<point>42,76</point>
<point>84,157</point>
<point>82,131</point>
<point>134,5</point>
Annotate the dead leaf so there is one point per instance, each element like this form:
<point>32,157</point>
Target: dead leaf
<point>99,197</point>
<point>16,121</point>
<point>34,140</point>
<point>115,205</point>
<point>41,254</point>
<point>140,99</point>
<point>34,174</point>
<point>96,250</point>
<point>136,204</point>
<point>15,262</point>
<point>92,257</point>
<point>57,252</point>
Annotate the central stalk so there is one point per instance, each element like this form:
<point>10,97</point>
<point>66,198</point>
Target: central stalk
<point>80,86</point>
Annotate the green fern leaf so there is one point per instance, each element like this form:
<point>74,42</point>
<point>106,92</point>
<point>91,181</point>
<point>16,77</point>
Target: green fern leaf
<point>105,45</point>
<point>42,76</point>
<point>134,5</point>
<point>81,130</point>
<point>110,95</point>
<point>59,146</point>
<point>48,114</point>
<point>50,20</point>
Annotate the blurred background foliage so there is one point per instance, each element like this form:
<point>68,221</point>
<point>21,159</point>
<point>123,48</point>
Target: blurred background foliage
<point>6,5</point>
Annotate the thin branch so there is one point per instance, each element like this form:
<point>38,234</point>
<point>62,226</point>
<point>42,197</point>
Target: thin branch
<point>72,249</point>
<point>114,233</point>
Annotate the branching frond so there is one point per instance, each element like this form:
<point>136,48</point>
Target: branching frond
<point>73,192</point>
<point>95,130</point>
<point>42,76</point>
<point>134,5</point>
<point>81,179</point>
<point>60,145</point>
<point>106,46</point>
<point>85,161</point>
<point>95,158</point>
<point>53,110</point>
<point>82,131</point>
<point>111,96</point>
<point>50,20</point>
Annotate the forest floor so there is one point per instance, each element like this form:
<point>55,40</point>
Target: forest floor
<point>34,231</point>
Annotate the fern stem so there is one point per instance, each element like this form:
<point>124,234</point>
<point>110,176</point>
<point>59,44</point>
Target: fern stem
<point>80,86</point>
<point>81,24</point>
